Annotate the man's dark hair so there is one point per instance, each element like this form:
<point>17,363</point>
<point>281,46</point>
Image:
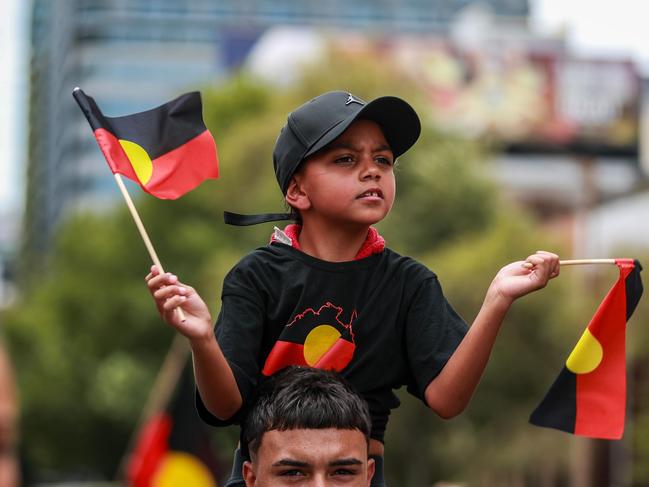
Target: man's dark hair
<point>305,398</point>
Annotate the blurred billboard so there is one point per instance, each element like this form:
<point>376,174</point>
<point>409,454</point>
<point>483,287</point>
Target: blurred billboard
<point>529,101</point>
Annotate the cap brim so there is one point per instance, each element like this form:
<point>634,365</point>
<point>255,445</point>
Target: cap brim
<point>397,119</point>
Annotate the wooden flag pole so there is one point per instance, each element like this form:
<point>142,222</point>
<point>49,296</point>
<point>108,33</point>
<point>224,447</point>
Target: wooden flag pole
<point>142,230</point>
<point>529,265</point>
<point>586,261</point>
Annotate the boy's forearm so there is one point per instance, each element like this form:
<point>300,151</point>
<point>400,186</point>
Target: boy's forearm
<point>450,392</point>
<point>214,378</point>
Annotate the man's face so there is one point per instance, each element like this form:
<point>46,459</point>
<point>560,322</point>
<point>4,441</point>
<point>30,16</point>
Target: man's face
<point>310,457</point>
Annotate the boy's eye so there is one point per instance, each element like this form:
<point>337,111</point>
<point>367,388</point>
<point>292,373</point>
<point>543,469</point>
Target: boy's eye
<point>384,160</point>
<point>344,159</point>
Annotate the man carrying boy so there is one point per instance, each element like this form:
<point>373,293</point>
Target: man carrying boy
<point>307,427</point>
<point>327,292</point>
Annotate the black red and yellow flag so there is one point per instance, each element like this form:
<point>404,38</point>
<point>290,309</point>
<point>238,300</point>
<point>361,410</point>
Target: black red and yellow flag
<point>588,398</point>
<point>167,150</point>
<point>173,447</point>
<point>315,338</point>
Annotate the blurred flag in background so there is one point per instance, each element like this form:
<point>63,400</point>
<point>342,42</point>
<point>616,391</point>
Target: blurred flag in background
<point>173,447</point>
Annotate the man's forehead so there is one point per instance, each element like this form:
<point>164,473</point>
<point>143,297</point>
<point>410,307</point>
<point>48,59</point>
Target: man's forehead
<point>314,445</point>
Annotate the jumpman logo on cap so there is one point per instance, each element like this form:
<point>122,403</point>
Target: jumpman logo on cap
<point>352,99</point>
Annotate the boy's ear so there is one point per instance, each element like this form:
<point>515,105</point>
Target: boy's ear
<point>296,196</point>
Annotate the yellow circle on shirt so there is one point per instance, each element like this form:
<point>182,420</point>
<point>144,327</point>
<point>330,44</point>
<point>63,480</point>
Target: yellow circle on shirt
<point>318,342</point>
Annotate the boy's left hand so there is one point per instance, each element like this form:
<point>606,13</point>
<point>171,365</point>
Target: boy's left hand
<point>520,278</point>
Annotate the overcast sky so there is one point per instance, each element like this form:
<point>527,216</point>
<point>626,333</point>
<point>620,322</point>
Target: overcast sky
<point>12,99</point>
<point>615,27</point>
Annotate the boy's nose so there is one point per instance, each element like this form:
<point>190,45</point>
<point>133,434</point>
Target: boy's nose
<point>369,169</point>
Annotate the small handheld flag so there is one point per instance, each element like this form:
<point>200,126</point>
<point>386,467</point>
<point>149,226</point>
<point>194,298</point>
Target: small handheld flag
<point>167,150</point>
<point>588,398</point>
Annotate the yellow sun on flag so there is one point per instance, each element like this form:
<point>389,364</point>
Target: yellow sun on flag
<point>586,355</point>
<point>139,159</point>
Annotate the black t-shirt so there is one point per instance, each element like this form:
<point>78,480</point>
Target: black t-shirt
<point>381,321</point>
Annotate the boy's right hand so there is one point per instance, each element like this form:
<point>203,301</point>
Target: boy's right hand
<point>169,293</point>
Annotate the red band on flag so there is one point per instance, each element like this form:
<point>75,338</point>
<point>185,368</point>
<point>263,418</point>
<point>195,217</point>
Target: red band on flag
<point>114,154</point>
<point>184,168</point>
<point>149,450</point>
<point>601,394</point>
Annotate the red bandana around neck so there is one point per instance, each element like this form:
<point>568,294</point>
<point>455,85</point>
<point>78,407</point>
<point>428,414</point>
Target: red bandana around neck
<point>373,244</point>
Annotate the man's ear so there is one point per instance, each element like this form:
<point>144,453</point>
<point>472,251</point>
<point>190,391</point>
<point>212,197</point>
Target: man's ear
<point>248,474</point>
<point>371,467</point>
<point>296,197</point>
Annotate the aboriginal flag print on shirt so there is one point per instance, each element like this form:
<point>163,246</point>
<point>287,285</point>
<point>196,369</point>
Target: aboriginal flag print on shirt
<point>168,150</point>
<point>588,398</point>
<point>316,338</point>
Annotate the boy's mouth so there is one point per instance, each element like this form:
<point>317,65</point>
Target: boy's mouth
<point>371,193</point>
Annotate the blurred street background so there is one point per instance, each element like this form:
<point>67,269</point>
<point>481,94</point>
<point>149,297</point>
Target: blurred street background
<point>535,136</point>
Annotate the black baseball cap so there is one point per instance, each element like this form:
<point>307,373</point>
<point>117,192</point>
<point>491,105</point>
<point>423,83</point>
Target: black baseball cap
<point>318,122</point>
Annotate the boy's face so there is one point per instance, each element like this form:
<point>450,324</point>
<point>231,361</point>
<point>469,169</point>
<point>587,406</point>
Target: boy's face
<point>351,181</point>
<point>309,458</point>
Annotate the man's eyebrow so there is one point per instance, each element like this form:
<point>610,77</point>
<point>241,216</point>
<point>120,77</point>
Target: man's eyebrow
<point>289,462</point>
<point>342,462</point>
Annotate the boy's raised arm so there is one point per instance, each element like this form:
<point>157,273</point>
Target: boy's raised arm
<point>214,377</point>
<point>450,392</point>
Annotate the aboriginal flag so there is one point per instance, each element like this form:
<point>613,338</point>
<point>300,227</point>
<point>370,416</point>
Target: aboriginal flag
<point>588,398</point>
<point>167,150</point>
<point>315,338</point>
<point>173,447</point>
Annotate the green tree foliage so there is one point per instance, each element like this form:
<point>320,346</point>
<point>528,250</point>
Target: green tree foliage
<point>84,349</point>
<point>87,341</point>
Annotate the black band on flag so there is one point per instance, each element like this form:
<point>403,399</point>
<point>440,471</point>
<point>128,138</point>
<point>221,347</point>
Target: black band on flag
<point>158,130</point>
